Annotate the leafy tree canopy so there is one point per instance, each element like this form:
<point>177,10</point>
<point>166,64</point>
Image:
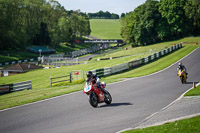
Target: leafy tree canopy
<point>156,21</point>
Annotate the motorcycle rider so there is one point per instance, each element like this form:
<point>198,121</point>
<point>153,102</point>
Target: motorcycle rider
<point>182,67</point>
<point>95,79</point>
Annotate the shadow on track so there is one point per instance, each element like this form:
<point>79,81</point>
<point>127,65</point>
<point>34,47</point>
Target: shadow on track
<point>116,104</point>
<point>192,82</point>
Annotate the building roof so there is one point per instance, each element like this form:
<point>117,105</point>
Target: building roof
<point>21,67</point>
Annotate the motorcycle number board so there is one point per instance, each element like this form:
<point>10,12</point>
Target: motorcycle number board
<point>87,88</point>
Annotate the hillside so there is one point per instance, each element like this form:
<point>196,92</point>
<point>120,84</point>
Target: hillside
<point>105,28</point>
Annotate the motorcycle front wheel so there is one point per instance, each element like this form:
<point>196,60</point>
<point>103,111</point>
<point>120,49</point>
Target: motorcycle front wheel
<point>93,99</point>
<point>108,97</point>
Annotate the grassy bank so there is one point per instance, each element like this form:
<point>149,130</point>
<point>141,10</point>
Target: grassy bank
<point>183,126</point>
<point>156,65</point>
<point>105,28</point>
<point>194,92</point>
<point>41,78</point>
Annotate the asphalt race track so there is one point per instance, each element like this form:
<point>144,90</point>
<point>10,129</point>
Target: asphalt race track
<point>133,101</point>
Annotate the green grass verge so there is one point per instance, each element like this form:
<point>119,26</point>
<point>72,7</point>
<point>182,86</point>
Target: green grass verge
<point>105,28</point>
<point>193,92</point>
<point>41,78</point>
<point>183,126</point>
<point>154,66</point>
<point>29,96</point>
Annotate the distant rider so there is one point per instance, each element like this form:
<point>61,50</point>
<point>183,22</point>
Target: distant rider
<point>182,67</point>
<point>96,80</point>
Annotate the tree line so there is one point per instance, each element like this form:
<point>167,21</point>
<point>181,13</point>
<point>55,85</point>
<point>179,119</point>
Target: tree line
<point>39,22</point>
<point>103,15</point>
<point>162,20</point>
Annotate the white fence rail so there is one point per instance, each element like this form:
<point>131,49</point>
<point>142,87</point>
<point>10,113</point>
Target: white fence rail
<point>22,85</point>
<point>121,67</point>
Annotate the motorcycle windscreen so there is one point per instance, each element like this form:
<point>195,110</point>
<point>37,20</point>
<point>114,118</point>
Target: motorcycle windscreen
<point>87,88</point>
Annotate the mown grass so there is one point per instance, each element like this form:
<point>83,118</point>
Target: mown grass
<point>156,65</point>
<point>41,78</point>
<point>105,28</point>
<point>138,52</point>
<point>63,48</point>
<point>183,126</point>
<point>194,92</point>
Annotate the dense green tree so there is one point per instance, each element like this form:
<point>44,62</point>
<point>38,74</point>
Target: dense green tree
<point>80,24</point>
<point>25,22</point>
<point>64,29</point>
<point>123,15</point>
<point>104,15</point>
<point>43,36</point>
<point>192,11</point>
<point>139,27</point>
<point>156,21</point>
<point>173,11</point>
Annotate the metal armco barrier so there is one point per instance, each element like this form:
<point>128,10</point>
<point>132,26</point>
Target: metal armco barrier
<point>92,49</point>
<point>107,71</point>
<point>16,87</point>
<point>134,64</point>
<point>15,62</point>
<point>118,68</point>
<point>6,88</point>
<point>22,86</point>
<point>100,72</point>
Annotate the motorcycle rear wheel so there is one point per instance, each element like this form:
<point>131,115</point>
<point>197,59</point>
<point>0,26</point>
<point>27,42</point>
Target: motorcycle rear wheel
<point>93,99</point>
<point>183,80</point>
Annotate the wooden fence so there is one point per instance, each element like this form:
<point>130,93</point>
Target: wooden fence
<point>67,76</point>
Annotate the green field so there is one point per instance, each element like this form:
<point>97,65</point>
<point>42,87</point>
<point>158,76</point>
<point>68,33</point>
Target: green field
<point>101,28</point>
<point>193,92</point>
<point>105,28</point>
<point>41,78</point>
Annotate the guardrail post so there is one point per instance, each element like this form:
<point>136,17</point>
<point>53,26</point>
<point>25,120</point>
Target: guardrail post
<point>70,77</point>
<point>50,81</point>
<point>30,85</point>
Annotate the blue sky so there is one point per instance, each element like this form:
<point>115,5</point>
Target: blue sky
<point>92,6</point>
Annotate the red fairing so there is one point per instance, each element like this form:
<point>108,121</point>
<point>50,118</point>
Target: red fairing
<point>100,94</point>
<point>96,95</point>
<point>93,87</point>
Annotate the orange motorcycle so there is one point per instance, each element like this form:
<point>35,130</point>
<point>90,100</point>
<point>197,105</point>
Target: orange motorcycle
<point>182,76</point>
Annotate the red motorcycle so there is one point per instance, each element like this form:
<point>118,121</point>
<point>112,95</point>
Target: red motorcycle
<point>96,95</point>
